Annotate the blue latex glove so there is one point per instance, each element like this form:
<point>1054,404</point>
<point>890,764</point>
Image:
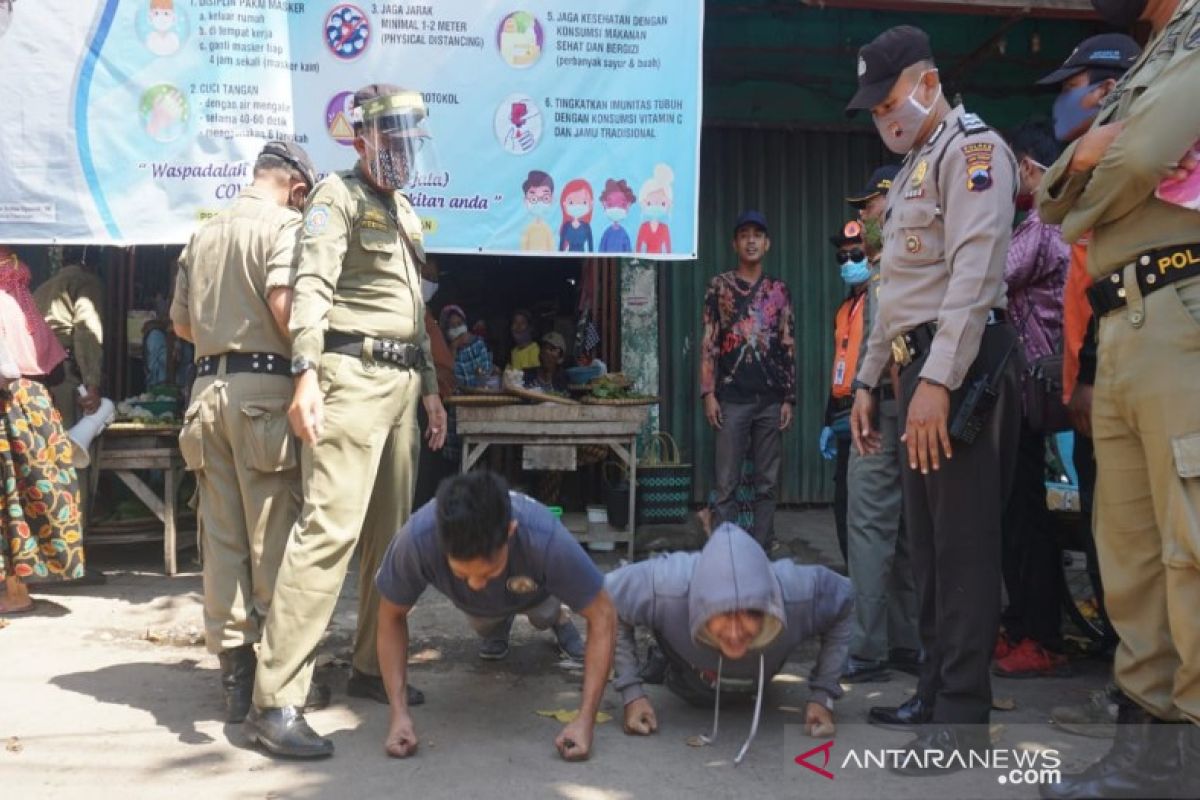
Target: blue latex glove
<point>828,444</point>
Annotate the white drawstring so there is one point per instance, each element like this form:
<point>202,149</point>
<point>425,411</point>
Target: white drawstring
<point>716,706</point>
<point>757,712</point>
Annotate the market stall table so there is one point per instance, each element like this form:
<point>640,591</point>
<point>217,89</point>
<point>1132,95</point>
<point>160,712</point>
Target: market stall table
<point>124,448</point>
<point>615,427</point>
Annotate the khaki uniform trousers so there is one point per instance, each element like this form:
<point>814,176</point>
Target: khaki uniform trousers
<point>358,477</point>
<point>236,439</point>
<point>886,607</point>
<point>1146,426</point>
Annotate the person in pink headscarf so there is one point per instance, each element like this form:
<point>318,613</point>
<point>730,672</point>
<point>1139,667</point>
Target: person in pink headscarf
<point>40,531</point>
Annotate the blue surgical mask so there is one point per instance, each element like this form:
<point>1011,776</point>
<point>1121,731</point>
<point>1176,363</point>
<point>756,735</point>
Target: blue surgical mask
<point>654,212</point>
<point>855,272</point>
<point>616,213</point>
<point>539,208</point>
<point>576,210</point>
<point>1069,113</point>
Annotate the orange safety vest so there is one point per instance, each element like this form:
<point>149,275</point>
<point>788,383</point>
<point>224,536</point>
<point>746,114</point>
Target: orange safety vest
<point>848,336</point>
<point>1077,312</point>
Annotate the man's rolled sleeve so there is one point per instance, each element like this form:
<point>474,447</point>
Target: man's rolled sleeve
<point>323,243</point>
<point>180,315</point>
<point>978,228</point>
<point>281,266</point>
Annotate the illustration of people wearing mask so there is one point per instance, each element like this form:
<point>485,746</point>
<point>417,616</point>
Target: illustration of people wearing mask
<point>6,12</point>
<point>656,199</point>
<point>539,202</point>
<point>575,235</point>
<point>616,200</point>
<point>163,39</point>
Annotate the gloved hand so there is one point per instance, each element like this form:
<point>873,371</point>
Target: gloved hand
<point>828,444</point>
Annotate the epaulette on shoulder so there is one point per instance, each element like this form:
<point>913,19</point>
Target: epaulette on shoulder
<point>972,124</point>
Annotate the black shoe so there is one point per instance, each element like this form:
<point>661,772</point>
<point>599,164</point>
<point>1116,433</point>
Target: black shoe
<point>319,695</point>
<point>283,732</point>
<point>905,660</point>
<point>237,680</point>
<point>946,739</point>
<point>1144,761</point>
<point>654,670</point>
<point>860,670</point>
<point>907,715</point>
<point>371,686</point>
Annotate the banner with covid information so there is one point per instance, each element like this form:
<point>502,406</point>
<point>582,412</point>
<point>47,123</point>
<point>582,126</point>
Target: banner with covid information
<point>560,126</point>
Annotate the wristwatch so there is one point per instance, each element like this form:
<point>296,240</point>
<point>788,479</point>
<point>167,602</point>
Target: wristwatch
<point>301,365</point>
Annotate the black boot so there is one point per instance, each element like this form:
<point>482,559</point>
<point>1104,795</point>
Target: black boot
<point>237,680</point>
<point>371,687</point>
<point>1143,762</point>
<point>284,732</point>
<point>908,715</point>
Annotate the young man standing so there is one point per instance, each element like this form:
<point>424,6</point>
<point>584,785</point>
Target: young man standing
<point>748,373</point>
<point>495,554</point>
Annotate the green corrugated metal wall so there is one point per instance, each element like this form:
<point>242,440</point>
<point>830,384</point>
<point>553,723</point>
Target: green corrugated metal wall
<point>798,179</point>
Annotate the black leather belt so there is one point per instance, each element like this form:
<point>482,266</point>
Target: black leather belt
<point>262,363</point>
<point>908,347</point>
<point>1155,269</point>
<point>840,404</point>
<point>393,352</point>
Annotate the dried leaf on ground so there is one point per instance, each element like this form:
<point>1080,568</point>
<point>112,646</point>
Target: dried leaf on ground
<point>1004,703</point>
<point>13,745</point>
<point>564,716</point>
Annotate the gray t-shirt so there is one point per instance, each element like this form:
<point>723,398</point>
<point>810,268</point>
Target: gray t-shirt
<point>543,560</point>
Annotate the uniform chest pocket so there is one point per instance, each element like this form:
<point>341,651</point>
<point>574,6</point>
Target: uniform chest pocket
<point>269,444</point>
<point>377,242</point>
<point>914,234</point>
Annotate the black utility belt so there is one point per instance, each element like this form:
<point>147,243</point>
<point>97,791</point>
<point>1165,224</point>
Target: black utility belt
<point>908,347</point>
<point>393,352</point>
<point>262,363</point>
<point>1155,269</point>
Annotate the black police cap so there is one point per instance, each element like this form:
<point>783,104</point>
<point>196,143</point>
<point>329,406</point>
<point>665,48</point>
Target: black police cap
<point>879,183</point>
<point>881,62</point>
<point>1114,51</point>
<point>295,156</point>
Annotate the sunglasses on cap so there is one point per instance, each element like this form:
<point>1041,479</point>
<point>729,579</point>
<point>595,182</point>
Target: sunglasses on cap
<point>855,254</point>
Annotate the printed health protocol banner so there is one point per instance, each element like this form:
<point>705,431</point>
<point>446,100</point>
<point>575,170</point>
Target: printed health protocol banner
<point>560,125</point>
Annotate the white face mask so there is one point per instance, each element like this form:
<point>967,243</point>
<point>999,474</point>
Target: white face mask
<point>900,127</point>
<point>456,331</point>
<point>428,289</point>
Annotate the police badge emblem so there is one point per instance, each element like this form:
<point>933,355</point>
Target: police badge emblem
<point>522,584</point>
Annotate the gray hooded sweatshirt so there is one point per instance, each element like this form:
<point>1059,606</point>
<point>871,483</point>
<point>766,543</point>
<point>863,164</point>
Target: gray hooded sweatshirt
<point>675,596</point>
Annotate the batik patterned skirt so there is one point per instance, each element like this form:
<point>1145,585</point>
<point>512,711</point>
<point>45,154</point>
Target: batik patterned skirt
<point>40,527</point>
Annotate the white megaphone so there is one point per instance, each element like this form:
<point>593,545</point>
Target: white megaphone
<point>88,428</point>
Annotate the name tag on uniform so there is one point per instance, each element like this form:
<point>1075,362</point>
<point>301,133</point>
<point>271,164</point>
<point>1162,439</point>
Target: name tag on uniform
<point>839,372</point>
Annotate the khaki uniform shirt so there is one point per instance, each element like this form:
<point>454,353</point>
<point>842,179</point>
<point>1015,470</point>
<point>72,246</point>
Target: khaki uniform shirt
<point>71,301</point>
<point>1158,99</point>
<point>228,269</point>
<point>358,272</point>
<point>945,236</point>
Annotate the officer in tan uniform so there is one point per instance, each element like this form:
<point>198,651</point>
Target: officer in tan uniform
<point>1131,180</point>
<point>233,294</point>
<point>71,300</point>
<point>941,316</point>
<point>362,363</point>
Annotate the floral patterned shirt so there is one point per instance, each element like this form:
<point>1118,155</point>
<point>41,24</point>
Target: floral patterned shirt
<point>749,346</point>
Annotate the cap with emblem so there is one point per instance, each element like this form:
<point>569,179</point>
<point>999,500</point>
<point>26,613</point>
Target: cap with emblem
<point>555,339</point>
<point>851,233</point>
<point>295,156</point>
<point>1114,51</point>
<point>879,184</point>
<point>755,218</point>
<point>881,62</point>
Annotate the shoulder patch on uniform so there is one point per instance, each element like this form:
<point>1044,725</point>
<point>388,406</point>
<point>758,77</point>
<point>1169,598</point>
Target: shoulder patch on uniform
<point>971,123</point>
<point>316,220</point>
<point>979,165</point>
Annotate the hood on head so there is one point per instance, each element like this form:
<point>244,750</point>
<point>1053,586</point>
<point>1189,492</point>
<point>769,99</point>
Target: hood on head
<point>734,574</point>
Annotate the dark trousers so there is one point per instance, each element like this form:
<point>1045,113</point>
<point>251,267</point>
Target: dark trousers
<point>749,430</point>
<point>953,518</point>
<point>1083,457</point>
<point>1032,558</point>
<point>841,493</point>
<point>432,468</point>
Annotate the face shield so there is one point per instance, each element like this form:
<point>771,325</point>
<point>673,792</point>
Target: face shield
<point>398,148</point>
